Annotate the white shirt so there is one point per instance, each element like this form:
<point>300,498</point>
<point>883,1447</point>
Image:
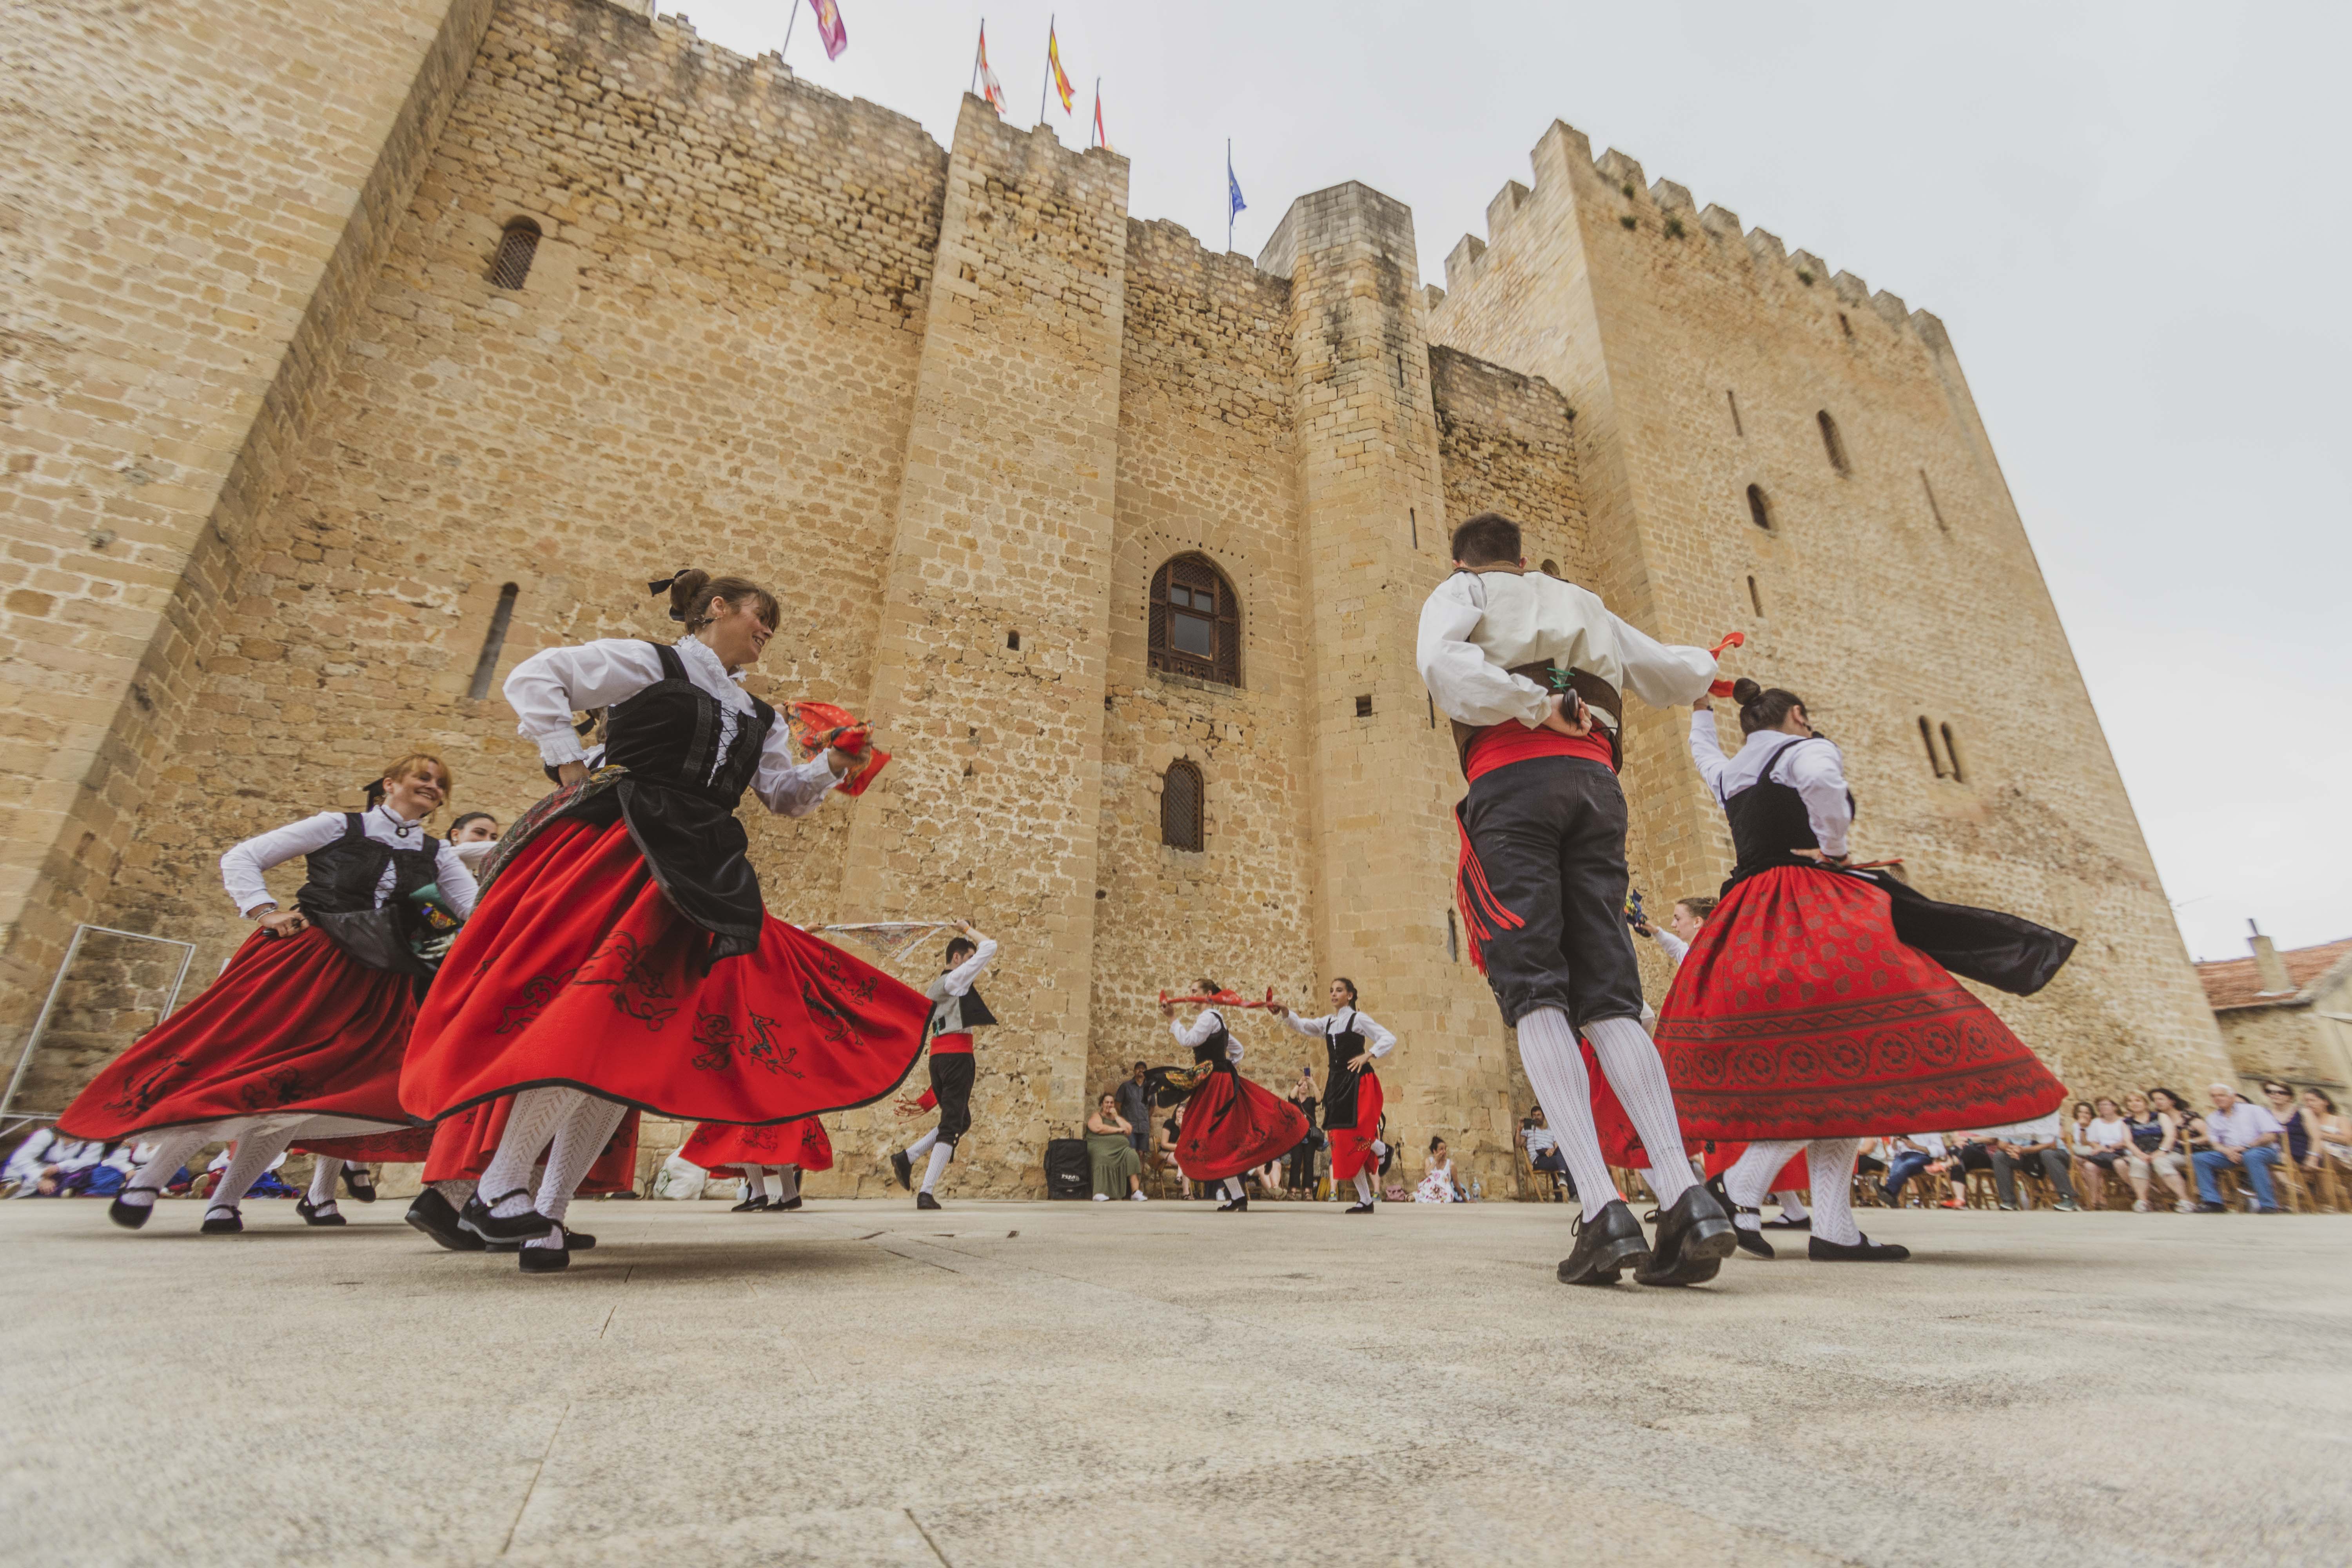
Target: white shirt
<point>2238,1127</point>
<point>1478,625</point>
<point>1377,1041</point>
<point>1540,1139</point>
<point>546,688</point>
<point>957,982</point>
<point>242,866</point>
<point>2104,1134</point>
<point>1927,1143</point>
<point>1675,946</point>
<point>1814,768</point>
<point>1207,1023</point>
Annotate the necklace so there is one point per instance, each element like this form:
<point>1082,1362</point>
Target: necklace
<point>399,829</point>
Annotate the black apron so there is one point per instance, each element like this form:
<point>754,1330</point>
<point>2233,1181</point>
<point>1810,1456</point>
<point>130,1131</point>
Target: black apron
<point>1341,1086</point>
<point>337,896</point>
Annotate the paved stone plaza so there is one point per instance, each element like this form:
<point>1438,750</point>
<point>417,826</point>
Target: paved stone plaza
<point>1029,1384</point>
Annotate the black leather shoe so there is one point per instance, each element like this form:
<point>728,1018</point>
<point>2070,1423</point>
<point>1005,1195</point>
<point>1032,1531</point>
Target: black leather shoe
<point>1359,1208</point>
<point>750,1205</point>
<point>312,1216</point>
<point>360,1184</point>
<point>904,1169</point>
<point>432,1214</point>
<point>544,1259</point>
<point>229,1223</point>
<point>1235,1205</point>
<point>1785,1223</point>
<point>785,1205</point>
<point>1605,1243</point>
<point>528,1226</point>
<point>1695,1235</point>
<point>574,1241</point>
<point>1751,1242</point>
<point>1868,1252</point>
<point>925,1201</point>
<point>131,1217</point>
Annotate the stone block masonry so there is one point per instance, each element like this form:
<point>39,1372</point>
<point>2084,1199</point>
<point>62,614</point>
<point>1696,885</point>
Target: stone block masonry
<point>279,447</point>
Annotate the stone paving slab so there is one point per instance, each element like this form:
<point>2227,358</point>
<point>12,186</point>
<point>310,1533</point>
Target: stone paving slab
<point>1022,1383</point>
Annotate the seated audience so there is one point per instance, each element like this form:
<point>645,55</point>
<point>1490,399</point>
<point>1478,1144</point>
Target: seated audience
<point>2334,1136</point>
<point>2100,1141</point>
<point>2296,1141</point>
<point>2032,1147</point>
<point>1437,1182</point>
<point>2240,1136</point>
<point>2155,1146</point>
<point>1117,1168</point>
<point>1543,1152</point>
<point>1909,1154</point>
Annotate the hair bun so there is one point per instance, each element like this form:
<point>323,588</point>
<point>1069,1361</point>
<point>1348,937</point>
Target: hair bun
<point>1744,691</point>
<point>683,590</point>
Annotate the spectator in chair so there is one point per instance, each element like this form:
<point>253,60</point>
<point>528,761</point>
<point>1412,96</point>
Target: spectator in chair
<point>2032,1146</point>
<point>1543,1151</point>
<point>2102,1142</point>
<point>1909,1154</point>
<point>2243,1137</point>
<point>1111,1150</point>
<point>2155,1146</point>
<point>2335,1137</point>
<point>2297,1140</point>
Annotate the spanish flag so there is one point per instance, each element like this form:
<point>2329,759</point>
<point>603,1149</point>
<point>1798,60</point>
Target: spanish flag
<point>1061,87</point>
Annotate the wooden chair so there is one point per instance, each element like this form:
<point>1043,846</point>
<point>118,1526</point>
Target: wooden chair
<point>1537,1186</point>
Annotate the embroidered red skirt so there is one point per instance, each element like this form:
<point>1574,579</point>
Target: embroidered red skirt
<point>1799,1014</point>
<point>576,970</point>
<point>715,1144</point>
<point>1231,1125</point>
<point>1352,1146</point>
<point>405,1146</point>
<point>294,1023</point>
<point>462,1146</point>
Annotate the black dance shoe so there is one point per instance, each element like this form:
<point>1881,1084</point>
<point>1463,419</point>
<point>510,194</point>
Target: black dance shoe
<point>432,1214</point>
<point>131,1217</point>
<point>312,1216</point>
<point>528,1226</point>
<point>1235,1205</point>
<point>230,1224</point>
<point>750,1205</point>
<point>1357,1208</point>
<point>574,1241</point>
<point>925,1201</point>
<point>785,1205</point>
<point>1605,1243</point>
<point>1785,1223</point>
<point>1869,1251</point>
<point>904,1169</point>
<point>1751,1242</point>
<point>1695,1235</point>
<point>360,1184</point>
<point>544,1259</point>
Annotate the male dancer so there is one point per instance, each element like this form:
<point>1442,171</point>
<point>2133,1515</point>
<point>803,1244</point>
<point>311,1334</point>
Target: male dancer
<point>1530,669</point>
<point>956,1010</point>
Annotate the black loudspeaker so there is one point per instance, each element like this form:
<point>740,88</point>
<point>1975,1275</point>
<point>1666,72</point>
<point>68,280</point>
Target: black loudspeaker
<point>1069,1174</point>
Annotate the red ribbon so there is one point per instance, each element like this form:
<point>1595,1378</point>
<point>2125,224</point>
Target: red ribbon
<point>1730,639</point>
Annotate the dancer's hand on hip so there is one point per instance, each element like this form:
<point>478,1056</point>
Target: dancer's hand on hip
<point>281,923</point>
<point>1569,715</point>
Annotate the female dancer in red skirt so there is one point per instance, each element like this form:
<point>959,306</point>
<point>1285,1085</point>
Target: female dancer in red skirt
<point>1817,1007</point>
<point>1352,1098</point>
<point>621,957</point>
<point>301,1035</point>
<point>788,1150</point>
<point>1231,1125</point>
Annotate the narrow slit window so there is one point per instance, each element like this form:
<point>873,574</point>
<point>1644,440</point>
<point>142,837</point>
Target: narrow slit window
<point>1182,823</point>
<point>1754,597</point>
<point>1832,443</point>
<point>1952,755</point>
<point>1412,518</point>
<point>1928,739</point>
<point>1453,938</point>
<point>1843,325</point>
<point>1933,510</point>
<point>1012,641</point>
<point>494,642</point>
<point>1364,706</point>
<point>1759,510</point>
<point>1731,398</point>
<point>516,248</point>
<point>1433,712</point>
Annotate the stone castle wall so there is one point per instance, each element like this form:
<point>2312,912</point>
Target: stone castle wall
<point>958,406</point>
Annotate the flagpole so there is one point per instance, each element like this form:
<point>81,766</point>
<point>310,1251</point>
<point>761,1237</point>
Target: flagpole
<point>1229,192</point>
<point>975,55</point>
<point>792,19</point>
<point>1091,130</point>
<point>1050,19</point>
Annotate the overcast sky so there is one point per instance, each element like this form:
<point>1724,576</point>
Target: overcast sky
<point>2131,217</point>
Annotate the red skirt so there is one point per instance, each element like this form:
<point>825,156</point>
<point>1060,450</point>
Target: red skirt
<point>463,1145</point>
<point>294,1023</point>
<point>405,1147</point>
<point>1799,1014</point>
<point>1352,1146</point>
<point>576,970</point>
<point>1231,1125</point>
<point>804,1144</point>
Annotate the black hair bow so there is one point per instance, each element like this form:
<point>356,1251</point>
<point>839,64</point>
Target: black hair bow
<point>664,586</point>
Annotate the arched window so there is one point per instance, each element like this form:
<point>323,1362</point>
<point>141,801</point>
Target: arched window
<point>1758,507</point>
<point>516,248</point>
<point>1832,444</point>
<point>493,642</point>
<point>1195,621</point>
<point>1180,816</point>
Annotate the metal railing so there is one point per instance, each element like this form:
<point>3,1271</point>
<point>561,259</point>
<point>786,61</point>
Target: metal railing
<point>49,1004</point>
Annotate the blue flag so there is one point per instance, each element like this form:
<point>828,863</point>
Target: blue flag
<point>1233,202</point>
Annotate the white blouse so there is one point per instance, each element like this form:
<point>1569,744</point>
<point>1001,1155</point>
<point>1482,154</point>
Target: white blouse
<point>242,866</point>
<point>1207,1023</point>
<point>549,685</point>
<point>1815,769</point>
<point>1478,625</point>
<point>1377,1041</point>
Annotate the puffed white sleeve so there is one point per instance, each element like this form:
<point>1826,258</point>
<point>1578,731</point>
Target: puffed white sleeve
<point>1198,1029</point>
<point>1305,1026</point>
<point>1662,674</point>
<point>546,689</point>
<point>1818,774</point>
<point>1461,680</point>
<point>243,863</point>
<point>1377,1041</point>
<point>456,881</point>
<point>957,982</point>
<point>1707,750</point>
<point>786,787</point>
<point>1675,946</point>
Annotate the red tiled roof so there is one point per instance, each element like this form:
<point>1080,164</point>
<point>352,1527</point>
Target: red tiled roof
<point>2235,983</point>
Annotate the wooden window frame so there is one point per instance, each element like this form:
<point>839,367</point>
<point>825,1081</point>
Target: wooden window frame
<point>1182,819</point>
<point>1194,575</point>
